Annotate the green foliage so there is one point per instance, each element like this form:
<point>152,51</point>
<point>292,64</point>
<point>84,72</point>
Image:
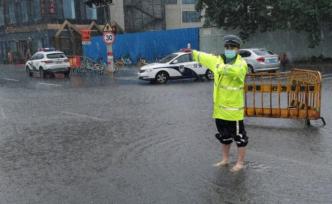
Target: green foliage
<point>251,16</point>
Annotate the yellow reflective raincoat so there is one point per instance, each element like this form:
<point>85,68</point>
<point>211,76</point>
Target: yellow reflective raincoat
<point>229,79</point>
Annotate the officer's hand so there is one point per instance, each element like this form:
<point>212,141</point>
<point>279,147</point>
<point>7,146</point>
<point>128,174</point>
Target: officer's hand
<point>186,50</point>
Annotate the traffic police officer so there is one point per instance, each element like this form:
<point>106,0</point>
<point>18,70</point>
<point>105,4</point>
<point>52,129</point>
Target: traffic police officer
<point>229,71</point>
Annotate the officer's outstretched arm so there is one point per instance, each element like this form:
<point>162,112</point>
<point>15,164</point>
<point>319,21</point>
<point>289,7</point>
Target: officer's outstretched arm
<point>206,60</point>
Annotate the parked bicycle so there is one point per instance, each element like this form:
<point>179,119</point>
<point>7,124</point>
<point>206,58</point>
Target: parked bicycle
<point>89,65</point>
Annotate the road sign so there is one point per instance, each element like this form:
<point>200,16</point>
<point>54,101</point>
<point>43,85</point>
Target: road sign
<point>108,37</point>
<point>107,28</point>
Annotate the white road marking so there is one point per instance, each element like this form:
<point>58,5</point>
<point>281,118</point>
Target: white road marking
<point>2,113</point>
<point>8,79</point>
<point>48,84</point>
<point>84,116</point>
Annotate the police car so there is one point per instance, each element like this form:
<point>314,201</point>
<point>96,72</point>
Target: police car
<point>178,65</point>
<point>48,60</point>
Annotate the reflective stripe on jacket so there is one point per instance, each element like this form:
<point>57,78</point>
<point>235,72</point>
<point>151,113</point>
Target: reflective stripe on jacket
<point>229,79</point>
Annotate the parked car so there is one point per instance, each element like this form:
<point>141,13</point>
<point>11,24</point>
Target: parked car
<point>260,59</point>
<point>178,65</point>
<point>48,61</point>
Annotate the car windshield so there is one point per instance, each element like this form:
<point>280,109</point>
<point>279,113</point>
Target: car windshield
<point>56,55</point>
<point>167,58</point>
<point>263,52</point>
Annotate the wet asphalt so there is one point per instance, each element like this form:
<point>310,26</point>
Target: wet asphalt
<point>102,139</point>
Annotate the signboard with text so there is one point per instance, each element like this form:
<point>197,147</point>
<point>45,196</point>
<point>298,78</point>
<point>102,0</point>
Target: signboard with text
<point>86,37</point>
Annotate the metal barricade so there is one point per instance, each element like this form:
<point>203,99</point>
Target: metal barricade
<point>295,94</point>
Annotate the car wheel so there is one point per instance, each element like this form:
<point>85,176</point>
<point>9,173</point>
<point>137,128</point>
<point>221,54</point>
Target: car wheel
<point>250,69</point>
<point>28,71</point>
<point>161,77</point>
<point>209,75</point>
<point>42,73</point>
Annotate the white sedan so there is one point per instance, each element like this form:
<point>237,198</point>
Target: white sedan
<point>177,65</point>
<point>48,61</point>
<point>260,59</point>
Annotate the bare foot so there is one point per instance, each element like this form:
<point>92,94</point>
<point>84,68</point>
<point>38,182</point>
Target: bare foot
<point>221,163</point>
<point>237,168</point>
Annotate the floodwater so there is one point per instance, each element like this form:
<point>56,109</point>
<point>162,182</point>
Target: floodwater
<point>98,139</point>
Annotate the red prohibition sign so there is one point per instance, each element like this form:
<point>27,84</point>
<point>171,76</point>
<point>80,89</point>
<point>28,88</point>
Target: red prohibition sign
<point>109,37</point>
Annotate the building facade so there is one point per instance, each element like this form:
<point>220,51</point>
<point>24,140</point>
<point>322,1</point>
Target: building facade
<point>147,15</point>
<point>26,25</point>
<point>182,14</point>
<point>143,15</point>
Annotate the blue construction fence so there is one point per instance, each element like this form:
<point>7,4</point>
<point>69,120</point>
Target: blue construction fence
<point>147,45</point>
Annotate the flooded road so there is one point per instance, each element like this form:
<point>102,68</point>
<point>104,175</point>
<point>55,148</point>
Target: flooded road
<point>98,139</point>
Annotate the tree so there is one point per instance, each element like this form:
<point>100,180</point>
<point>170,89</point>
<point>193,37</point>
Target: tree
<point>251,16</point>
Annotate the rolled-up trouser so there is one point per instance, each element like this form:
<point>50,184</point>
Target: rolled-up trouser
<point>231,130</point>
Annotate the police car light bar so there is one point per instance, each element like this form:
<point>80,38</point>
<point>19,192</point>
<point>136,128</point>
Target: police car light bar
<point>46,49</point>
<point>185,50</point>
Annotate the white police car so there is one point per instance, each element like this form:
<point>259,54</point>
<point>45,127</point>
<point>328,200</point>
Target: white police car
<point>177,65</point>
<point>48,60</point>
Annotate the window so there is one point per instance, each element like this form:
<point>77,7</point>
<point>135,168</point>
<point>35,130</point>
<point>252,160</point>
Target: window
<point>40,56</point>
<point>171,1</point>
<point>244,53</point>
<point>262,52</point>
<point>183,58</point>
<point>91,13</point>
<point>191,16</point>
<point>2,17</point>
<point>189,1</point>
<point>69,9</point>
<point>37,56</point>
<point>56,56</point>
<point>11,10</point>
<point>34,57</point>
<point>59,9</point>
<point>24,11</point>
<point>36,10</point>
<point>167,58</point>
